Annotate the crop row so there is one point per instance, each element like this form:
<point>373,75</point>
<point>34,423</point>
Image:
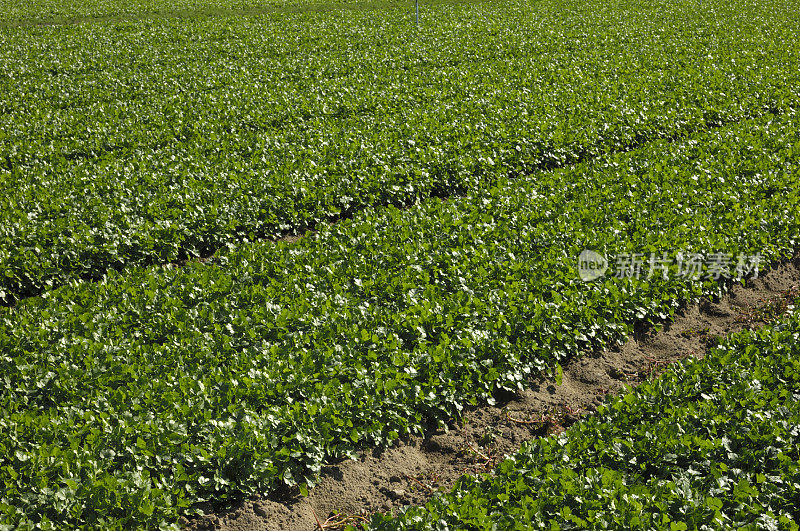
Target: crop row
<point>126,401</point>
<point>712,444</point>
<point>137,143</point>
<point>73,11</point>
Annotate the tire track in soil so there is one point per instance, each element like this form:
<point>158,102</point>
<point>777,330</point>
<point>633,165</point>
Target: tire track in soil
<point>409,472</point>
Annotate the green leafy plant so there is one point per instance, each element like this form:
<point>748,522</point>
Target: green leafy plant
<point>151,141</point>
<point>128,400</point>
<point>711,444</point>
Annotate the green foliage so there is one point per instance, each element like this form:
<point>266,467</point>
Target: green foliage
<point>139,142</point>
<point>712,444</point>
<point>127,400</point>
<point>84,11</point>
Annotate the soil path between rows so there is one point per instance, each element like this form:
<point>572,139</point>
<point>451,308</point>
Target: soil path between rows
<point>409,473</point>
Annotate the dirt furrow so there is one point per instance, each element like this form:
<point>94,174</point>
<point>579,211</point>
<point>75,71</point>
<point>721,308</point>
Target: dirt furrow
<point>410,472</point>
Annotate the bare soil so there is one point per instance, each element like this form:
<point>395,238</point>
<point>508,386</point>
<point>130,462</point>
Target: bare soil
<point>410,472</point>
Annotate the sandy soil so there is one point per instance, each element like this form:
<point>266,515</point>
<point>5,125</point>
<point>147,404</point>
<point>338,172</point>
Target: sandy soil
<point>411,471</point>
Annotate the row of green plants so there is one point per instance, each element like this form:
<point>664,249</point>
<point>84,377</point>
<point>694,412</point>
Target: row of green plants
<point>15,14</point>
<point>145,142</point>
<point>711,444</point>
<point>127,401</point>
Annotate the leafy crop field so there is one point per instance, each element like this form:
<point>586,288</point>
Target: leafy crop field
<point>711,444</point>
<point>467,165</point>
<point>131,398</point>
<point>132,142</point>
<point>51,12</point>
